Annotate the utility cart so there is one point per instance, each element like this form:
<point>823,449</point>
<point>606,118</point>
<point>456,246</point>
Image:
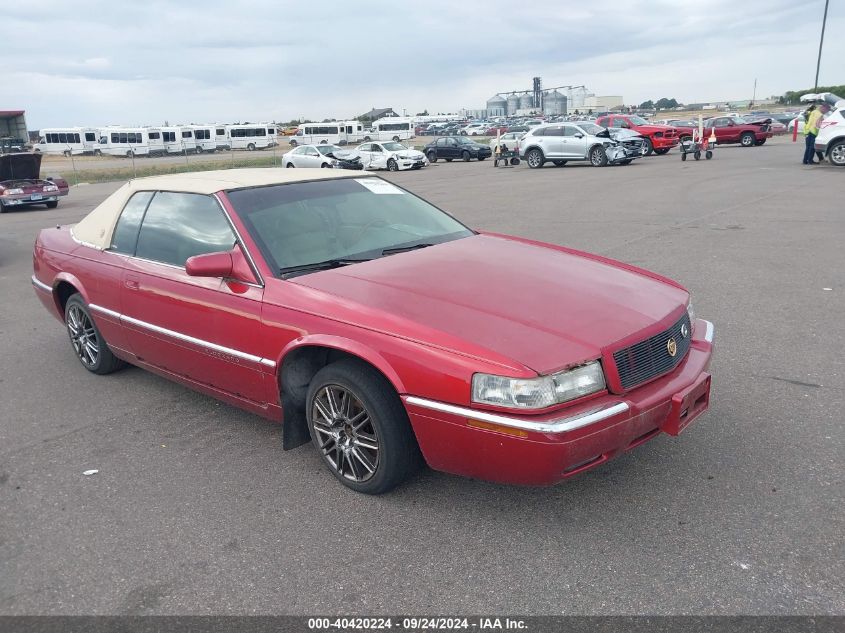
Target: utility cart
<point>696,145</point>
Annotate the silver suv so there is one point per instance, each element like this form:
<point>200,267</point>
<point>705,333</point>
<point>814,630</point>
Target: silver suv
<point>580,140</point>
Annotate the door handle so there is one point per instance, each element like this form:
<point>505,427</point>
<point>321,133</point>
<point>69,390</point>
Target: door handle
<point>131,282</point>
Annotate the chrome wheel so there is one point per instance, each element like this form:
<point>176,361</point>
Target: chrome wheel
<point>747,140</point>
<point>83,336</point>
<point>837,155</point>
<point>345,433</point>
<point>535,159</point>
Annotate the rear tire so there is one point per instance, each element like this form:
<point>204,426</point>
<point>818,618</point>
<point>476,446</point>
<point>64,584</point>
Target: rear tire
<point>292,143</point>
<point>251,146</point>
<point>89,345</point>
<point>466,156</point>
<point>836,155</point>
<point>747,139</point>
<point>396,139</point>
<point>360,428</point>
<point>53,204</point>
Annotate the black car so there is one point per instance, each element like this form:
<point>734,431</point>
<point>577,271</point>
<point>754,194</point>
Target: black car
<point>518,128</point>
<point>452,147</point>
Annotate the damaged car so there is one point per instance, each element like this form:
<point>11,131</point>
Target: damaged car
<point>323,155</point>
<point>22,186</point>
<point>560,143</point>
<point>391,156</point>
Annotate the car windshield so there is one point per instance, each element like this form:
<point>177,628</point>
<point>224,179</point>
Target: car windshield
<point>325,221</point>
<point>591,128</point>
<point>394,147</point>
<point>637,120</point>
<point>325,150</point>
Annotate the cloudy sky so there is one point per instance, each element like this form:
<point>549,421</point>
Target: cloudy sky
<point>98,62</point>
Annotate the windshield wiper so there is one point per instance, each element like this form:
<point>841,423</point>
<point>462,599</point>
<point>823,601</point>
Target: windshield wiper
<point>288,271</point>
<point>402,249</point>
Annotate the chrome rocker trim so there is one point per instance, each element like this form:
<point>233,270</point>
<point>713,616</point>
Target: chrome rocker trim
<point>561,425</point>
<point>183,337</point>
<point>40,285</point>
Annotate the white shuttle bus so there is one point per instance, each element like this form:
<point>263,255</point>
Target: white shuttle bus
<point>332,133</point>
<point>251,136</point>
<point>124,141</point>
<point>205,138</point>
<point>67,141</point>
<point>178,139</point>
<point>221,137</point>
<point>392,129</point>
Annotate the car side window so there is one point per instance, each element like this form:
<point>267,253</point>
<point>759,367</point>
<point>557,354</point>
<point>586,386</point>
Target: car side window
<point>364,148</point>
<point>441,142</point>
<point>376,148</point>
<point>310,151</point>
<point>569,130</point>
<point>556,130</point>
<point>177,226</point>
<point>125,235</point>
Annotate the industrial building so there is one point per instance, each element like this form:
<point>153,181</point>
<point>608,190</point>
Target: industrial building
<point>551,101</point>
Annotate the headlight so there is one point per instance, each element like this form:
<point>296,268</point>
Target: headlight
<point>538,393</point>
<point>13,191</point>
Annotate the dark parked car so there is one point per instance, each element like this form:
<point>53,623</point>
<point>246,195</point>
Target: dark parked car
<point>518,128</point>
<point>450,148</point>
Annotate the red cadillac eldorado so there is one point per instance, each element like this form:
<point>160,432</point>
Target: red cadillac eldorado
<point>22,186</point>
<point>378,327</point>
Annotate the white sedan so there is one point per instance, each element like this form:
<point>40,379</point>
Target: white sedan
<point>323,155</point>
<point>390,155</point>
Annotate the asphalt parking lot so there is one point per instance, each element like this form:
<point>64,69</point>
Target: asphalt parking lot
<point>196,509</point>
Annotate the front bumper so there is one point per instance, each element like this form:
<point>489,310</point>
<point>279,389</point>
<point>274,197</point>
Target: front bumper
<point>26,199</point>
<point>663,142</point>
<point>544,449</point>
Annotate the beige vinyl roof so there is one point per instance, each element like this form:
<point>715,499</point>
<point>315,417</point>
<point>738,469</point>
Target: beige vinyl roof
<point>96,228</point>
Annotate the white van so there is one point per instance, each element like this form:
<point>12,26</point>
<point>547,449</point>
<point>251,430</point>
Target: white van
<point>178,139</point>
<point>67,141</point>
<point>250,136</point>
<point>331,133</point>
<point>124,141</point>
<point>391,129</point>
<point>205,138</point>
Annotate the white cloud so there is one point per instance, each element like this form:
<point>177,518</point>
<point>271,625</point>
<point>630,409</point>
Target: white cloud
<point>103,62</point>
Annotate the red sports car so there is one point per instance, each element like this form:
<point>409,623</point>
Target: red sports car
<point>374,324</point>
<point>657,138</point>
<point>738,130</point>
<point>22,186</point>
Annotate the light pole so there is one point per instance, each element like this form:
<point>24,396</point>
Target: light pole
<point>821,42</point>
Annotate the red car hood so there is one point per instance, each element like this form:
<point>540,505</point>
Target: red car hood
<point>654,127</point>
<point>498,297</point>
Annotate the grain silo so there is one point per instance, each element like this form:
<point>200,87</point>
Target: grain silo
<point>554,103</point>
<point>513,104</point>
<point>497,106</point>
<point>526,101</point>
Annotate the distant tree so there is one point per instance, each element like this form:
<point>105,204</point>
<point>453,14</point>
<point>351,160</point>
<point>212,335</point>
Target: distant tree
<point>794,96</point>
<point>423,113</point>
<point>665,104</point>
<point>647,105</point>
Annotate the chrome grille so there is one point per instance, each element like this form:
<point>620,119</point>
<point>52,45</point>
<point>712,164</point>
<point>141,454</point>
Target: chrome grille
<point>650,358</point>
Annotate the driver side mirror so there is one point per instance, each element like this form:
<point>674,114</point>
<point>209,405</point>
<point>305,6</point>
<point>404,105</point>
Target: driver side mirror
<point>579,135</point>
<point>230,265</point>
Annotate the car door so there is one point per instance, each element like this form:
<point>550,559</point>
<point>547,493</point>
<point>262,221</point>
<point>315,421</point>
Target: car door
<point>201,328</point>
<point>453,149</point>
<point>723,130</point>
<point>311,157</point>
<point>365,151</point>
<point>552,141</point>
<point>378,160</point>
<point>298,157</point>
<point>574,143</point>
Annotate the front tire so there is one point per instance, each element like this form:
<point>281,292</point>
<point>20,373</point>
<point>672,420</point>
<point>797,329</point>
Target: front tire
<point>392,165</point>
<point>747,139</point>
<point>360,428</point>
<point>648,147</point>
<point>292,143</point>
<point>53,204</point>
<point>466,156</point>
<point>535,158</point>
<point>598,157</point>
<point>395,139</point>
<point>432,157</point>
<point>89,345</point>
